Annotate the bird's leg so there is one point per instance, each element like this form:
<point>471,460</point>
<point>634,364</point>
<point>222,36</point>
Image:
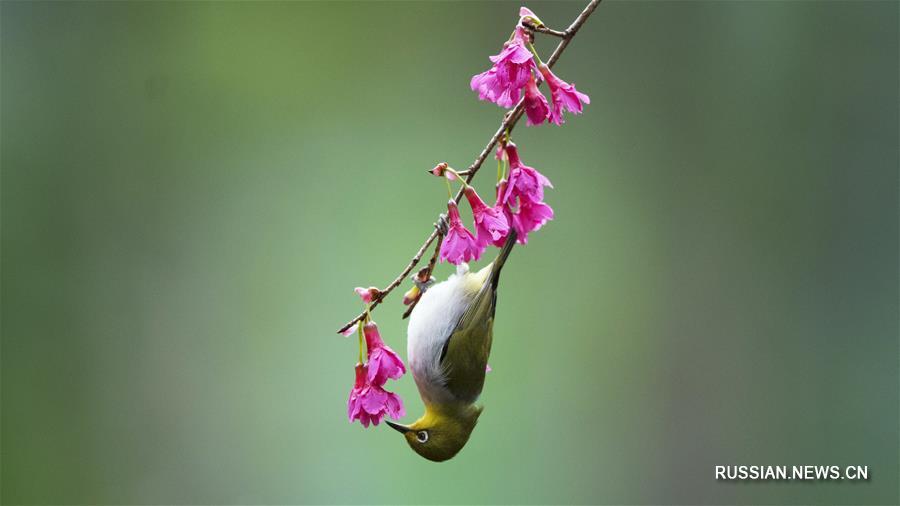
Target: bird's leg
<point>419,279</point>
<point>441,224</point>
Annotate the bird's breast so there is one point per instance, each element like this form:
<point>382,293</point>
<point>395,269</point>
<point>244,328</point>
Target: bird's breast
<point>430,325</point>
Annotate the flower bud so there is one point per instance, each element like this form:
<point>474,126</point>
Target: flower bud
<point>439,170</point>
<point>412,295</point>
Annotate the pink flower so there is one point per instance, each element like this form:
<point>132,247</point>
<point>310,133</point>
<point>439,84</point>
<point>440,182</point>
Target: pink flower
<point>491,225</point>
<point>531,216</point>
<point>564,95</point>
<point>521,197</point>
<point>459,244</point>
<point>536,107</point>
<point>383,361</point>
<point>523,180</point>
<point>501,189</point>
<point>369,403</point>
<point>503,82</point>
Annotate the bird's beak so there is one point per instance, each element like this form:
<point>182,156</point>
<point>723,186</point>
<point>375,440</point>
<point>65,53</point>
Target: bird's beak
<point>402,429</point>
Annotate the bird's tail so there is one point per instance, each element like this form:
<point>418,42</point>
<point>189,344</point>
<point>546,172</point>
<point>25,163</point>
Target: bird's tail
<point>502,256</point>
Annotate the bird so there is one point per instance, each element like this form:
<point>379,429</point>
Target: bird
<point>448,344</point>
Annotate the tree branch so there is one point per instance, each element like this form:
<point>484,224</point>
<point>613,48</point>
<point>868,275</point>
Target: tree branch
<point>509,121</point>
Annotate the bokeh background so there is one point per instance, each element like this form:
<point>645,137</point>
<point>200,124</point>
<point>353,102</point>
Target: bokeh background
<point>190,191</point>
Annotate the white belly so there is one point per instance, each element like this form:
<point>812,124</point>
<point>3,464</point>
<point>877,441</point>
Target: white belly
<point>430,325</point>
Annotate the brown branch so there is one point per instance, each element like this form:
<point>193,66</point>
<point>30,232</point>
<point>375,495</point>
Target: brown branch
<point>395,283</point>
<point>509,121</point>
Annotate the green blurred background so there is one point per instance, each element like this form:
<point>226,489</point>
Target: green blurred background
<point>190,191</point>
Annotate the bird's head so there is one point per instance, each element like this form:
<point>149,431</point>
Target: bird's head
<point>441,432</point>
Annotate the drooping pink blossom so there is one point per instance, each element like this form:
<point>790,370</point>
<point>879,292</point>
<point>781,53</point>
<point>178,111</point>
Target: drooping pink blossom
<point>523,180</point>
<point>369,403</point>
<point>536,106</point>
<point>530,216</point>
<point>521,196</point>
<point>564,96</point>
<point>459,244</point>
<point>383,362</point>
<point>491,225</point>
<point>503,82</point>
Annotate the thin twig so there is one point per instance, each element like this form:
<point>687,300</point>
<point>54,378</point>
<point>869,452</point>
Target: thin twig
<point>395,283</point>
<point>426,275</point>
<point>509,120</point>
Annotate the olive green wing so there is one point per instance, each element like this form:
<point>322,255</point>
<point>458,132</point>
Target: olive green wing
<point>465,354</point>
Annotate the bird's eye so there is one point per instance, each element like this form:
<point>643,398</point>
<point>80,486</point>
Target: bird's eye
<point>422,436</point>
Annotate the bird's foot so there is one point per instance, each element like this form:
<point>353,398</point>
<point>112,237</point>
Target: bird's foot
<point>423,279</point>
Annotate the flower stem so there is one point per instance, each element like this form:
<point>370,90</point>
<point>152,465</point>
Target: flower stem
<point>459,177</point>
<point>535,53</point>
<point>449,189</point>
<point>504,139</point>
<point>360,332</point>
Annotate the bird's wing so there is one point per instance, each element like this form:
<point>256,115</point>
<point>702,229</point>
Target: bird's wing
<point>465,354</point>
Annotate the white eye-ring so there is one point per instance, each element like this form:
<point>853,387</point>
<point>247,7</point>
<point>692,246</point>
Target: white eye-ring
<point>422,436</point>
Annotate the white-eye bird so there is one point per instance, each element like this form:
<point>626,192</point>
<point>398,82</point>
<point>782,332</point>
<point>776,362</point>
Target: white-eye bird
<point>448,344</point>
